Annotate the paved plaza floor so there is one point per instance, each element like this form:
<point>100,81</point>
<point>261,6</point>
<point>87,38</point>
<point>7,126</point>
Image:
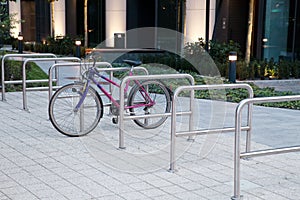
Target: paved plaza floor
<point>37,162</point>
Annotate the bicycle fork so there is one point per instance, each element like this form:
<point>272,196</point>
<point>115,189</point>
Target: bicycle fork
<point>83,95</point>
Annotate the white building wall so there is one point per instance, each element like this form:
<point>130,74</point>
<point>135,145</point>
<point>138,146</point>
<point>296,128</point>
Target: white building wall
<point>15,8</point>
<point>59,18</point>
<point>115,19</point>
<point>196,19</point>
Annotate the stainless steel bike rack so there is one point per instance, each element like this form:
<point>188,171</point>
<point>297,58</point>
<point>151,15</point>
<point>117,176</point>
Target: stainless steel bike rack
<point>237,152</point>
<point>175,134</point>
<point>39,59</point>
<point>116,69</point>
<point>50,72</point>
<point>57,65</point>
<point>141,78</point>
<point>3,82</point>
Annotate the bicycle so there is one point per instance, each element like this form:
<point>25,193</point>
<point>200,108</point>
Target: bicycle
<point>76,109</point>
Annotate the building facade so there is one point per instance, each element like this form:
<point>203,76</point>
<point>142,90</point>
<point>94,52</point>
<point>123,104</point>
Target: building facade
<point>107,17</point>
<point>276,29</point>
<point>275,34</point>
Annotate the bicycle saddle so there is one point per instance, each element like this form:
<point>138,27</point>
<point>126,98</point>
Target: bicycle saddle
<point>133,62</point>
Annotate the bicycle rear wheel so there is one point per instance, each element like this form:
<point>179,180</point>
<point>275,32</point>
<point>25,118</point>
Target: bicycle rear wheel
<point>158,92</point>
<point>69,121</point>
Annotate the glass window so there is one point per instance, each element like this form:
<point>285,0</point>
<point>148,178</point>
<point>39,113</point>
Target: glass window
<point>281,30</point>
<point>276,29</point>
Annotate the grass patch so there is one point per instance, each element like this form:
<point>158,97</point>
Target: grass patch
<point>13,71</point>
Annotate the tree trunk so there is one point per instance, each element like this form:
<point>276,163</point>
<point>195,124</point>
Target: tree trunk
<point>249,35</point>
<point>52,19</point>
<point>85,23</point>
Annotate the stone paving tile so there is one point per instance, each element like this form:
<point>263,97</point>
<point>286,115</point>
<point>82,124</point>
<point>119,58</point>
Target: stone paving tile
<point>39,163</point>
<point>23,196</point>
<point>134,196</point>
<point>154,192</point>
<point>188,195</point>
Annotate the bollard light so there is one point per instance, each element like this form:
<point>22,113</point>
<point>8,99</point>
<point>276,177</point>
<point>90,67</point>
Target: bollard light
<point>232,56</point>
<point>232,66</point>
<point>20,42</point>
<point>78,44</point>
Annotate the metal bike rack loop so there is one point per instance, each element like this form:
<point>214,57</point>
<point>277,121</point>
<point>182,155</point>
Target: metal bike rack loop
<point>237,152</point>
<point>118,69</point>
<point>39,59</point>
<point>57,65</point>
<point>141,78</point>
<point>206,131</point>
<point>50,72</point>
<point>18,56</point>
<point>111,70</point>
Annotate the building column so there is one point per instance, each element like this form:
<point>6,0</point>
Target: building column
<point>196,19</point>
<point>15,8</point>
<point>115,19</point>
<point>60,18</point>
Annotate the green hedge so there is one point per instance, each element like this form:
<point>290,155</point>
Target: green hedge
<point>60,46</point>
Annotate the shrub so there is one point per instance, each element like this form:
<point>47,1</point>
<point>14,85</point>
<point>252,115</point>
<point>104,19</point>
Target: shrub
<point>284,69</point>
<point>60,46</point>
<point>295,69</point>
<point>242,70</point>
<point>220,51</point>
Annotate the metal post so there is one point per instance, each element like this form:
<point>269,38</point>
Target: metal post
<point>17,55</point>
<point>38,59</point>
<point>237,152</point>
<point>191,121</point>
<point>249,124</point>
<point>173,135</point>
<point>140,78</point>
<point>50,73</point>
<point>20,43</point>
<point>193,132</point>
<point>207,24</point>
<point>78,44</point>
<point>232,66</point>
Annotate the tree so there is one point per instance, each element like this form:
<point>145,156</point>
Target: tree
<point>7,22</point>
<point>85,23</point>
<point>249,34</point>
<point>52,17</point>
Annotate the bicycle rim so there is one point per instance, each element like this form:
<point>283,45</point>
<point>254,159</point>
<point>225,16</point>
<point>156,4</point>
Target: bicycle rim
<point>66,119</point>
<point>159,94</point>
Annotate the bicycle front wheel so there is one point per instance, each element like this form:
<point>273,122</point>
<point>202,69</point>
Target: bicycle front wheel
<point>75,122</point>
<point>140,94</point>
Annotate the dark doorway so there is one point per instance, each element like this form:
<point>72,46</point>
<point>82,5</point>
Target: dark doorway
<point>140,14</point>
<point>71,23</point>
<point>96,21</point>
<point>29,24</point>
<point>42,20</point>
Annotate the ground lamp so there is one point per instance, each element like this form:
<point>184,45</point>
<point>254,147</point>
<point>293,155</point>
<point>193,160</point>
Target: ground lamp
<point>77,43</point>
<point>232,66</point>
<point>20,42</point>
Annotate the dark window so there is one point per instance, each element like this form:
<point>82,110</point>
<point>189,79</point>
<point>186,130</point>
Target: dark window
<point>29,24</point>
<point>96,21</point>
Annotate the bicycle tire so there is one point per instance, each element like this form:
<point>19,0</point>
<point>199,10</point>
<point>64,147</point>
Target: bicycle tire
<point>158,92</point>
<point>63,115</point>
